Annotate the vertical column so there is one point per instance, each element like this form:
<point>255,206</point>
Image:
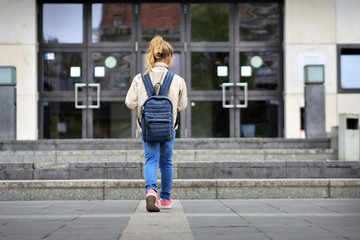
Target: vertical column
<point>18,48</point>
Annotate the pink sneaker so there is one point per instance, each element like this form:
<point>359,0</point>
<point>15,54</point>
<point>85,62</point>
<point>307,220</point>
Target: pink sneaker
<point>152,204</point>
<point>166,203</point>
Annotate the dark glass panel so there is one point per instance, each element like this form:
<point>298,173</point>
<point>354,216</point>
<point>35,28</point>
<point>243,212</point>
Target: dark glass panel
<point>62,23</point>
<point>259,22</point>
<point>206,70</point>
<point>209,22</point>
<point>260,70</point>
<point>61,70</point>
<point>112,120</point>
<point>160,19</point>
<point>112,70</point>
<point>62,120</point>
<point>111,22</point>
<point>209,120</point>
<point>260,119</point>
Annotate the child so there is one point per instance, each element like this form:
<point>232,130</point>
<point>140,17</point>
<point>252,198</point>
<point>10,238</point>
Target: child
<point>158,59</point>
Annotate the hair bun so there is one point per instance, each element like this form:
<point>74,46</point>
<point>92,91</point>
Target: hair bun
<point>158,50</point>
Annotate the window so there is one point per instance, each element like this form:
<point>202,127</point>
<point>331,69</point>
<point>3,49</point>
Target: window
<point>209,22</point>
<point>259,22</point>
<point>162,19</point>
<point>62,23</point>
<point>111,22</point>
<point>205,70</point>
<point>349,71</point>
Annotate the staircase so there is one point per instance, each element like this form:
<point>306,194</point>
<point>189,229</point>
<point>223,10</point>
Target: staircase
<point>203,168</point>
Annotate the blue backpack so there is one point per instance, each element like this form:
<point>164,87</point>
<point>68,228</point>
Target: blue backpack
<point>157,111</point>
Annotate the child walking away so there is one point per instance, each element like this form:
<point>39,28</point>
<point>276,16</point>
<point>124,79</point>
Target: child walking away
<point>157,95</point>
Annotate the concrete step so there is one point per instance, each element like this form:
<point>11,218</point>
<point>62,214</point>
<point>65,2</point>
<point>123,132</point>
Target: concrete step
<point>183,170</point>
<point>180,144</point>
<point>182,189</point>
<point>219,155</point>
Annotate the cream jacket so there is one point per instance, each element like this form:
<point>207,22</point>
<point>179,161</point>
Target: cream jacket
<point>137,95</point>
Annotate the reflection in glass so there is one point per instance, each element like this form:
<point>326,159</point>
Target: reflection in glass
<point>112,70</point>
<point>62,23</point>
<point>112,120</point>
<point>175,67</point>
<point>259,22</point>
<point>262,74</point>
<point>61,120</point>
<point>209,22</point>
<point>61,71</point>
<point>161,19</point>
<point>111,22</point>
<point>260,119</point>
<point>209,119</point>
<point>205,74</point>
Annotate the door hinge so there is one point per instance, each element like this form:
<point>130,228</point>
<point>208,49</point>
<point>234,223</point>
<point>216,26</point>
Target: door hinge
<point>185,46</point>
<point>185,9</point>
<point>136,46</point>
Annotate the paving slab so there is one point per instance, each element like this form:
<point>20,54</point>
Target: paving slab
<point>260,219</point>
<point>168,224</point>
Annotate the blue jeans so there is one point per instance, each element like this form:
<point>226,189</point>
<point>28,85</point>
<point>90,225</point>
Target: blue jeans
<point>159,155</point>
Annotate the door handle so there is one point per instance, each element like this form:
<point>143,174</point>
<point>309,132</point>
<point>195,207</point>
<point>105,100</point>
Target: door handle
<point>97,86</point>
<point>224,86</point>
<point>245,85</point>
<point>77,86</point>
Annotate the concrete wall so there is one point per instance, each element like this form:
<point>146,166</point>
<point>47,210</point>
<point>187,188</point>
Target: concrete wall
<point>315,27</point>
<point>18,47</point>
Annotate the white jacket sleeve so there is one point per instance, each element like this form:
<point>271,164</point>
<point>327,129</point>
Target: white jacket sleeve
<point>131,100</point>
<point>183,101</point>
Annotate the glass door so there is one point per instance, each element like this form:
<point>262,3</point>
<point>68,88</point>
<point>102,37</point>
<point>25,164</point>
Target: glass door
<point>110,72</point>
<point>210,62</point>
<point>260,115</point>
<point>86,64</point>
<point>62,74</point>
<point>209,72</point>
<point>258,46</point>
<point>235,70</point>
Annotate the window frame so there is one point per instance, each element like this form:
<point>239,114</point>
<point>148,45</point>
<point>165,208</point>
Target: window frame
<point>340,47</point>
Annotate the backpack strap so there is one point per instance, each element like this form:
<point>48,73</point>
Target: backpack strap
<point>148,85</point>
<point>164,90</point>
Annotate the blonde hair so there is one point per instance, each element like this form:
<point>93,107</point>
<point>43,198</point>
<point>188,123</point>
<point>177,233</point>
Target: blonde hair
<point>158,50</point>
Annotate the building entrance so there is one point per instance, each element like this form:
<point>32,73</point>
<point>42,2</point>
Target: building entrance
<point>229,54</point>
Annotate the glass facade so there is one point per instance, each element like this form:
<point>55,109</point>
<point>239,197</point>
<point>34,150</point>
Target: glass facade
<point>209,22</point>
<point>62,23</point>
<point>205,70</point>
<point>209,120</point>
<point>112,120</point>
<point>230,55</point>
<point>260,70</point>
<point>112,70</point>
<point>259,22</point>
<point>161,19</point>
<point>111,22</point>
<point>62,120</point>
<point>61,70</point>
<point>260,119</point>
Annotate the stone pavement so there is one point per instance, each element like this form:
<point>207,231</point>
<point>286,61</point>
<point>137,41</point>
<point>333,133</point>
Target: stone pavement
<point>276,219</point>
